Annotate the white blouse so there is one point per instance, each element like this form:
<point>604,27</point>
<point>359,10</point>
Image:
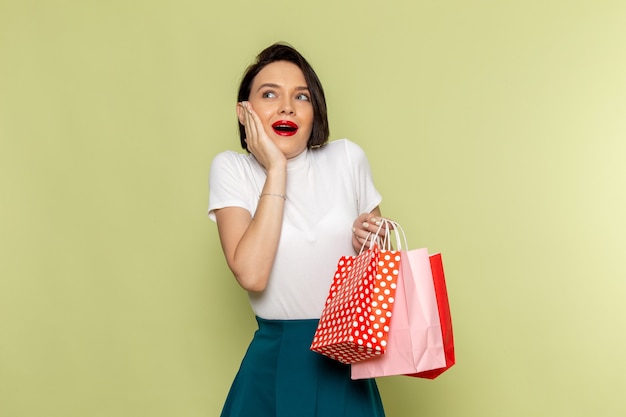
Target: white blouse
<point>327,188</point>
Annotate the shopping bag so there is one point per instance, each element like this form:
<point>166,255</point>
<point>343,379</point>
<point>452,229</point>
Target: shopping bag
<point>420,341</point>
<point>354,324</point>
<point>445,318</point>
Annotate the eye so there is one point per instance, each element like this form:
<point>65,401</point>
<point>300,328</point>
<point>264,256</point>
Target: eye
<point>303,97</point>
<point>269,94</point>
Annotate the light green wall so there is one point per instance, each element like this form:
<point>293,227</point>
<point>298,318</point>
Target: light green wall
<point>496,132</point>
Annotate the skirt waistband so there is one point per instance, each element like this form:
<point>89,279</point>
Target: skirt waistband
<point>287,322</point>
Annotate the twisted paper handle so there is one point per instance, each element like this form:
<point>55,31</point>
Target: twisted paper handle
<point>386,244</point>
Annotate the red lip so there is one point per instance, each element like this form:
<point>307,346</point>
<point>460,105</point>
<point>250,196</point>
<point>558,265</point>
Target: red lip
<point>285,128</point>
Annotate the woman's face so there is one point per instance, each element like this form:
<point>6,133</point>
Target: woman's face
<point>281,98</point>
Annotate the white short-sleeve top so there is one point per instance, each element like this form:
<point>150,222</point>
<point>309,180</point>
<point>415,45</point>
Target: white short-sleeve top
<point>327,188</point>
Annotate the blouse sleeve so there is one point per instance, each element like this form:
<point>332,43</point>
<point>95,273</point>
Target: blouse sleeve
<point>227,183</point>
<point>368,197</point>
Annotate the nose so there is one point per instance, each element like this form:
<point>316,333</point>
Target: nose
<point>286,106</point>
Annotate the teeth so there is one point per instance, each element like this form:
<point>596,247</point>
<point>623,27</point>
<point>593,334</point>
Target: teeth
<point>284,127</point>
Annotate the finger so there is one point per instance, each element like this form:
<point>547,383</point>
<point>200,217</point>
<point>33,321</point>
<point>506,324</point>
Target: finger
<point>380,226</point>
<point>383,231</point>
<point>256,125</point>
<point>243,114</point>
<point>360,234</point>
<point>250,129</point>
<point>375,227</point>
<point>257,131</point>
<point>364,236</point>
<point>253,116</point>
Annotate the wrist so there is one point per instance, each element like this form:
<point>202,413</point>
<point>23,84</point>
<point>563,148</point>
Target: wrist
<point>277,168</point>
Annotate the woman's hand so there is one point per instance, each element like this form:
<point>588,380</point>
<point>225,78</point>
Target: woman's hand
<point>367,227</point>
<point>259,143</point>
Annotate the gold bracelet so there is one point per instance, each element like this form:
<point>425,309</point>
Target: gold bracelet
<point>283,196</point>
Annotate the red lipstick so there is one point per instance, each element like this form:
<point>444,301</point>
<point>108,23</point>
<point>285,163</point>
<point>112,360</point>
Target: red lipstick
<point>285,128</point>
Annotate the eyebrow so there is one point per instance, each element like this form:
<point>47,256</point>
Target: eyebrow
<point>272,85</point>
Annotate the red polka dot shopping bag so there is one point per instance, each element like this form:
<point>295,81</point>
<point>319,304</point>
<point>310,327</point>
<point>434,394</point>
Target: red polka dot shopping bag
<point>420,341</point>
<point>357,314</point>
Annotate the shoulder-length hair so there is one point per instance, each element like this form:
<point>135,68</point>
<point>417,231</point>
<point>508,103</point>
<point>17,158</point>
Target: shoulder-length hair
<point>283,52</point>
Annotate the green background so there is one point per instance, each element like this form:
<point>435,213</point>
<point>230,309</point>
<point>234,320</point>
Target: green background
<point>496,133</point>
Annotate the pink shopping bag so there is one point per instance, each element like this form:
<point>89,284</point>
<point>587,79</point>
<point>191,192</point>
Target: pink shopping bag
<point>420,341</point>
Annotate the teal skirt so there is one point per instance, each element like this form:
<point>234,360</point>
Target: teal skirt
<point>280,377</point>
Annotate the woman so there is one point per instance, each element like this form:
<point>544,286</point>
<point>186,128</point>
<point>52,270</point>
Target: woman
<point>285,213</point>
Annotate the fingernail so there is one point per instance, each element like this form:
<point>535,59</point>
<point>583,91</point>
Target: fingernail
<point>365,225</point>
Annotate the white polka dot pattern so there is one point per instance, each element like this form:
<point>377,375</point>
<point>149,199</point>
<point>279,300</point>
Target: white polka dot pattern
<point>357,314</point>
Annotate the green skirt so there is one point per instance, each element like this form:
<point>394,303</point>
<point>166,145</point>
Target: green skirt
<point>280,377</point>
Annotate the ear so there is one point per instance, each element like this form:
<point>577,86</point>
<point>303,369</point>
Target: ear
<point>240,109</point>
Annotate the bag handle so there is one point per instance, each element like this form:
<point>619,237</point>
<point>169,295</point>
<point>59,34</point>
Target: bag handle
<point>386,244</point>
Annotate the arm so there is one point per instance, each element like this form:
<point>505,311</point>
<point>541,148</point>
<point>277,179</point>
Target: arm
<point>250,244</point>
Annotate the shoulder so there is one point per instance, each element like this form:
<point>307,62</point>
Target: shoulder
<point>344,147</point>
<point>229,161</point>
<point>229,157</point>
<point>349,151</point>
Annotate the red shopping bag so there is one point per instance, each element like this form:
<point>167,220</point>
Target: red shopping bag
<point>420,341</point>
<point>443,306</point>
<point>355,321</point>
